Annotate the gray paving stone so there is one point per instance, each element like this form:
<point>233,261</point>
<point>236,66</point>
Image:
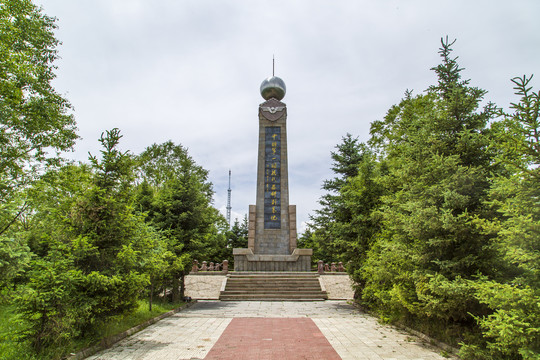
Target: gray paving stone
<point>191,333</point>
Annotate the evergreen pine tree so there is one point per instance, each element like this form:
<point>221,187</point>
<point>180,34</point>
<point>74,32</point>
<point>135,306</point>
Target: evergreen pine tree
<point>436,147</point>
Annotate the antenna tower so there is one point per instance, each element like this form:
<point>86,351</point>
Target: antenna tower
<point>229,201</point>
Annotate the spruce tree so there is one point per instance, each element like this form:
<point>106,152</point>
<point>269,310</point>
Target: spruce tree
<point>436,148</point>
<point>333,210</point>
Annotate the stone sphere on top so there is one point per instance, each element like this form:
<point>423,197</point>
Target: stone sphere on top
<point>273,87</point>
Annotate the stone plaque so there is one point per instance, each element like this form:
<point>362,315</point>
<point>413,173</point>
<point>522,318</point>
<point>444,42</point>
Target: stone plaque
<point>272,177</point>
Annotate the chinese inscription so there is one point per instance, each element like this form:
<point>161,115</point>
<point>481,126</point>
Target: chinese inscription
<point>272,178</point>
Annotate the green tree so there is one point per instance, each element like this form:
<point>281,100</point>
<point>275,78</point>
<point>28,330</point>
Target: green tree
<point>49,197</point>
<point>436,149</point>
<point>107,232</point>
<point>326,230</point>
<point>51,200</point>
<point>15,258</point>
<point>512,330</point>
<point>215,244</point>
<point>176,195</point>
<point>238,235</point>
<point>96,255</point>
<point>306,241</point>
<point>362,196</point>
<point>52,303</point>
<point>34,118</point>
<point>345,226</point>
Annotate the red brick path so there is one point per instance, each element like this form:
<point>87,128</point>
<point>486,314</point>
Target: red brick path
<point>272,338</point>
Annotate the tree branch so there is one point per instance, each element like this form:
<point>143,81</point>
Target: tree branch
<point>25,205</point>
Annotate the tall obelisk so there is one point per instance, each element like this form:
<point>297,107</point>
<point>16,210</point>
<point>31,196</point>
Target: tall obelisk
<point>272,221</point>
<point>273,233</point>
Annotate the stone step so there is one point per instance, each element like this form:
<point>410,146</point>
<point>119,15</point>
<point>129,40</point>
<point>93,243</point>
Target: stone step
<point>266,299</point>
<point>240,281</point>
<point>276,275</point>
<point>273,297</point>
<point>282,274</point>
<point>273,289</point>
<point>292,280</point>
<point>274,294</point>
<point>277,278</point>
<point>273,286</point>
<point>261,281</point>
<point>271,277</point>
<point>282,286</point>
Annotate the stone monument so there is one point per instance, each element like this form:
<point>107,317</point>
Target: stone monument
<point>272,221</point>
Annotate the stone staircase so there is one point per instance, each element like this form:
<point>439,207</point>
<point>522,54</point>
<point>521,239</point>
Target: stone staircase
<point>273,286</point>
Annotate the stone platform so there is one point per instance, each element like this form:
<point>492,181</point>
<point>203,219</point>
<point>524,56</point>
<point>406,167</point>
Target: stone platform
<point>246,260</point>
<point>208,286</point>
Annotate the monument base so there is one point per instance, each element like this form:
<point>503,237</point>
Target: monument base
<point>246,260</point>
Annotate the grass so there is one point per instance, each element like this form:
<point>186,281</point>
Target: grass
<point>140,315</point>
<point>13,349</point>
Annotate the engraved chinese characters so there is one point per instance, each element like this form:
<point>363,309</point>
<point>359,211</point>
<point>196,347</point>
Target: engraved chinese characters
<point>272,178</point>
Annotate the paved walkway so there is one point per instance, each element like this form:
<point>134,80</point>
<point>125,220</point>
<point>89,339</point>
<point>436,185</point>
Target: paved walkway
<point>258,330</point>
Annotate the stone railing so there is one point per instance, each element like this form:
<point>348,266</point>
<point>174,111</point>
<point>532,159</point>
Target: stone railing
<point>323,268</point>
<point>223,267</point>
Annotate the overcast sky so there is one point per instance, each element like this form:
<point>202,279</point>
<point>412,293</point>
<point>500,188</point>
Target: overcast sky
<point>190,71</point>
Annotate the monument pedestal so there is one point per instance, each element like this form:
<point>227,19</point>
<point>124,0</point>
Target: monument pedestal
<point>246,260</point>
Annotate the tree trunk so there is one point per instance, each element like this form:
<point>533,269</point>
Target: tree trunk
<point>151,293</point>
<point>182,285</point>
<point>175,288</point>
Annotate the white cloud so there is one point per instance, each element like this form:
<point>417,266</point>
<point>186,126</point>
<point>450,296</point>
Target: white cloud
<point>189,71</point>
